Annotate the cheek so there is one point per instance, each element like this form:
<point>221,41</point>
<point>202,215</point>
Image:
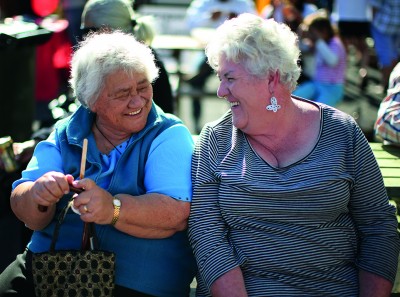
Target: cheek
<point>246,91</point>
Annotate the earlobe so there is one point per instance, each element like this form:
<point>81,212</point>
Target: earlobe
<point>273,80</point>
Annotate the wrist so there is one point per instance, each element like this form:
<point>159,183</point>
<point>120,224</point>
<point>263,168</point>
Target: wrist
<point>117,208</point>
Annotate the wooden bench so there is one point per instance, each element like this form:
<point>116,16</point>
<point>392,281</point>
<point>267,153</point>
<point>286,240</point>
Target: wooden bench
<point>388,158</point>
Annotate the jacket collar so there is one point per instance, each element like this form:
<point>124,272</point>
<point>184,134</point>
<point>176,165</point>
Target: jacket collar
<point>79,124</point>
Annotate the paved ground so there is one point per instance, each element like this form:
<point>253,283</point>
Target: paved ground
<point>363,105</point>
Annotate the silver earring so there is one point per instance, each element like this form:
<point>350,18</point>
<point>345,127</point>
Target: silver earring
<point>274,106</point>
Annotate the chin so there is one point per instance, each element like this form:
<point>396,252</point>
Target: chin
<point>137,128</point>
<point>236,123</point>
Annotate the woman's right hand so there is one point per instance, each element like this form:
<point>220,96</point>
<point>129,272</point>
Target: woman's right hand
<point>50,187</point>
<point>34,202</point>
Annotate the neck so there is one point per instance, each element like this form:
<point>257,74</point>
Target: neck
<point>277,127</point>
<point>298,124</point>
<point>106,143</point>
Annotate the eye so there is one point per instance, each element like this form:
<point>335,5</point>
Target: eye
<point>227,78</point>
<point>122,95</point>
<point>143,89</point>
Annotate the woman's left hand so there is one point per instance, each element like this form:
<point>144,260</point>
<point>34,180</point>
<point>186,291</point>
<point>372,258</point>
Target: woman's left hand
<point>94,203</point>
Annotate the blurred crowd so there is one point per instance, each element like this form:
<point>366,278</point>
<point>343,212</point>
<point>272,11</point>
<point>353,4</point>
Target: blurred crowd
<point>330,31</point>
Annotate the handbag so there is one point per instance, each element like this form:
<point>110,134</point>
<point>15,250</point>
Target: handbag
<point>85,272</point>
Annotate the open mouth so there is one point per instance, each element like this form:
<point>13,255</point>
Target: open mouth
<point>233,104</point>
<point>135,112</point>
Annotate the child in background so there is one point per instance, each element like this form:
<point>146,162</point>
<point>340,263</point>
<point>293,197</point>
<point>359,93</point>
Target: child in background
<point>327,84</point>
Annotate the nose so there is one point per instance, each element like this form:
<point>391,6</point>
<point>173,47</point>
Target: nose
<point>222,91</point>
<point>134,99</point>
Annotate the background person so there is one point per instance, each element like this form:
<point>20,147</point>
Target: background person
<point>274,9</point>
<point>385,30</point>
<point>210,14</point>
<point>72,11</point>
<point>354,20</point>
<point>119,14</point>
<point>327,84</point>
<point>387,125</point>
<point>277,209</point>
<point>137,154</point>
<point>295,12</point>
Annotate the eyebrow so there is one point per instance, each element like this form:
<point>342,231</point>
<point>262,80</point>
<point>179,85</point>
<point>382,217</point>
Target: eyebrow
<point>119,90</point>
<point>143,81</point>
<point>229,72</point>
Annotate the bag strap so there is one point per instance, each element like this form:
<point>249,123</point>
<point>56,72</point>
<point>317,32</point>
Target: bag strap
<point>59,221</point>
<point>89,237</point>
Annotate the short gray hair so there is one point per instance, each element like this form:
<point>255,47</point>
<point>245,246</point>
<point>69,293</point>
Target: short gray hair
<point>115,14</point>
<point>101,54</point>
<point>262,46</point>
<point>118,15</point>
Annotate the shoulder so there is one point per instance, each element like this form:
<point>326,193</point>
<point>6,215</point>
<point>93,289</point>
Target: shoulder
<point>175,140</point>
<point>337,122</point>
<point>170,128</point>
<point>176,133</point>
<point>167,119</point>
<point>334,114</point>
<point>222,125</point>
<point>336,41</point>
<point>76,126</point>
<point>336,44</point>
<point>218,132</point>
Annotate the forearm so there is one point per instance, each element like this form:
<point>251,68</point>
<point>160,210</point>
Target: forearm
<point>152,215</point>
<point>231,284</point>
<point>329,56</point>
<point>27,210</point>
<point>372,285</point>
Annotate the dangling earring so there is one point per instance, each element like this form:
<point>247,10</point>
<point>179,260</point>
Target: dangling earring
<point>274,106</point>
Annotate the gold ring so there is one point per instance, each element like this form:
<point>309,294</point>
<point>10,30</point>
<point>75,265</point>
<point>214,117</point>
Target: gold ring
<point>85,208</point>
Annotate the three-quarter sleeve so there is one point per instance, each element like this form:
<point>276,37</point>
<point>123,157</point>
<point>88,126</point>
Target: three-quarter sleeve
<point>208,232</point>
<point>375,217</point>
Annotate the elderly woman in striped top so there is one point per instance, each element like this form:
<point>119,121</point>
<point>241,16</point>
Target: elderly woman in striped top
<point>288,198</point>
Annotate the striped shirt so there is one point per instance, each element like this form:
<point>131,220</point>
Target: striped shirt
<point>330,61</point>
<point>301,230</point>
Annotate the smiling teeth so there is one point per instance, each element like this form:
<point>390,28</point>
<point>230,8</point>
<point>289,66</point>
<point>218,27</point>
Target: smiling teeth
<point>135,112</point>
<point>234,104</point>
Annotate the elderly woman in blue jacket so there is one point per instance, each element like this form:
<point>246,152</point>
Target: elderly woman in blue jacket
<point>137,179</point>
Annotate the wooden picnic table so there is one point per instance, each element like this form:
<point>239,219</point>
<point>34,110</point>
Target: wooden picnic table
<point>388,158</point>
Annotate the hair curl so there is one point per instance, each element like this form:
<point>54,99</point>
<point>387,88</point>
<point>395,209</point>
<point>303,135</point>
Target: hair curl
<point>103,53</point>
<point>261,46</point>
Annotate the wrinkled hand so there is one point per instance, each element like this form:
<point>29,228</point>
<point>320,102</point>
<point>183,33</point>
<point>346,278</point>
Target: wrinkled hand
<point>50,187</point>
<point>94,203</point>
